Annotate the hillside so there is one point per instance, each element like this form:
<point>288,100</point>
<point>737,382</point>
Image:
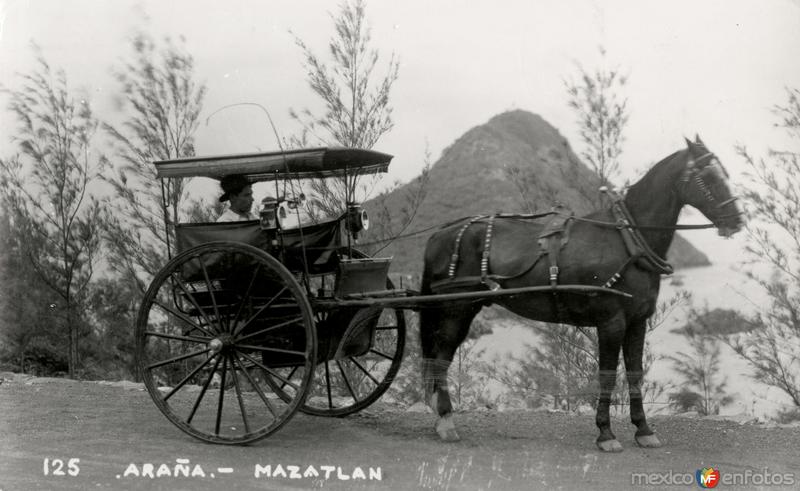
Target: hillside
<point>516,162</point>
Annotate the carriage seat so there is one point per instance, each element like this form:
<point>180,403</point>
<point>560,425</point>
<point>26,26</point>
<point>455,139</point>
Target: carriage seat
<point>319,240</point>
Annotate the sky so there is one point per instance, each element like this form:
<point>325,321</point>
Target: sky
<point>708,67</point>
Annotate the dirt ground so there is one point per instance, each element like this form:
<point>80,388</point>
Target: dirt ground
<point>64,434</point>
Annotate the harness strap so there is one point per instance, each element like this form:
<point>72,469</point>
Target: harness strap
<point>487,247</point>
<point>552,255</point>
<point>553,247</point>
<point>451,271</point>
<point>638,248</point>
<point>648,258</point>
<point>616,276</point>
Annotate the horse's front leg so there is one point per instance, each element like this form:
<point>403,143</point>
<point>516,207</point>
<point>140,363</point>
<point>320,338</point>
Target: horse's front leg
<point>610,336</point>
<point>441,335</point>
<point>633,350</point>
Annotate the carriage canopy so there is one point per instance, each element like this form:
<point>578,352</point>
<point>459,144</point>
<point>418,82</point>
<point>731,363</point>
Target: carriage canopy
<point>267,166</point>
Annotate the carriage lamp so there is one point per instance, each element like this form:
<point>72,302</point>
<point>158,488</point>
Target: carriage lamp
<point>357,219</point>
<point>268,214</point>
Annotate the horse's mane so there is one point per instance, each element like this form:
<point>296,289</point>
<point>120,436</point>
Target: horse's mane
<point>655,171</point>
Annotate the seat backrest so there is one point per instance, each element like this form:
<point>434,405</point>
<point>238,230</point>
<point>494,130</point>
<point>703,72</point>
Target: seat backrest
<point>249,232</point>
<point>321,240</point>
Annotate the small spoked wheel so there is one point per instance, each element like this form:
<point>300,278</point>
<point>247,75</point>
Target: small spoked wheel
<point>359,354</point>
<point>359,375</point>
<point>215,329</point>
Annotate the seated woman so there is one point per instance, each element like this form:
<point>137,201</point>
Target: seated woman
<point>238,191</point>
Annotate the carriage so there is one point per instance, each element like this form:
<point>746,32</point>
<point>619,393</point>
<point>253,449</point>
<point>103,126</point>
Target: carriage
<point>240,329</point>
<point>250,322</point>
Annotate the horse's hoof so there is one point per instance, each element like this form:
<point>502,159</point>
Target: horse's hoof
<point>610,446</point>
<point>447,429</point>
<point>648,441</point>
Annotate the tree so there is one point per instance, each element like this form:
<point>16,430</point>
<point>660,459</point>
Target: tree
<point>163,101</point>
<point>703,387</point>
<point>357,106</point>
<point>602,115</point>
<point>362,115</point>
<point>25,318</point>
<point>566,361</point>
<point>772,348</point>
<point>46,187</point>
<point>112,303</point>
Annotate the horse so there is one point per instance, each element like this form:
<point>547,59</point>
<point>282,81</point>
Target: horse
<point>620,248</point>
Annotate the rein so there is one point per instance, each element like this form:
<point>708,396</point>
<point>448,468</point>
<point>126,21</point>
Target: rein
<point>621,224</point>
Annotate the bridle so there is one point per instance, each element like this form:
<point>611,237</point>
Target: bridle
<point>694,173</point>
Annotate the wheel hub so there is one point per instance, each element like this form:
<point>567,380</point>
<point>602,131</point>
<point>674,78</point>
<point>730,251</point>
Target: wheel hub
<point>219,343</point>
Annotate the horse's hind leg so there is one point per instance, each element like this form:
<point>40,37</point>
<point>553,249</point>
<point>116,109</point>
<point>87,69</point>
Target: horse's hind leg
<point>610,336</point>
<point>441,332</point>
<point>633,349</point>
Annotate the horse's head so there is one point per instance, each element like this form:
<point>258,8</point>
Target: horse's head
<point>704,185</point>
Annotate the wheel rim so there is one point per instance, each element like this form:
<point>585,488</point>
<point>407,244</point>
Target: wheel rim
<point>215,324</point>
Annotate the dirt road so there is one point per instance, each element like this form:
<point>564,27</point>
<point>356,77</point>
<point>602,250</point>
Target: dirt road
<point>62,434</point>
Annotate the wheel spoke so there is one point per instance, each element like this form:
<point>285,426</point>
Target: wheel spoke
<point>203,391</point>
<point>182,317</point>
<point>272,372</point>
<point>246,294</point>
<point>221,394</point>
<point>364,370</point>
<point>178,358</point>
<point>210,288</point>
<point>273,350</point>
<point>288,377</point>
<point>191,300</point>
<point>386,328</point>
<point>347,382</point>
<point>259,312</point>
<point>239,393</point>
<point>186,378</point>
<point>328,384</point>
<point>271,328</point>
<point>379,353</point>
<point>257,387</point>
<point>175,336</point>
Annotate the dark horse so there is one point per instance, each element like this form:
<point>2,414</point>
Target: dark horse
<point>596,253</point>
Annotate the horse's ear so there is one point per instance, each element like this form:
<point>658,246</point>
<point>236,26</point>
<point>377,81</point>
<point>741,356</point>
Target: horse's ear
<point>688,142</point>
<point>698,141</point>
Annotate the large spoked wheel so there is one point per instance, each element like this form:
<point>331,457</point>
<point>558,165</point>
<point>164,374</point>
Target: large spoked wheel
<point>216,323</point>
<point>360,353</point>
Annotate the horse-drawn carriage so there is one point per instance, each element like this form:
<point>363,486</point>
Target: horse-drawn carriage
<point>251,321</point>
